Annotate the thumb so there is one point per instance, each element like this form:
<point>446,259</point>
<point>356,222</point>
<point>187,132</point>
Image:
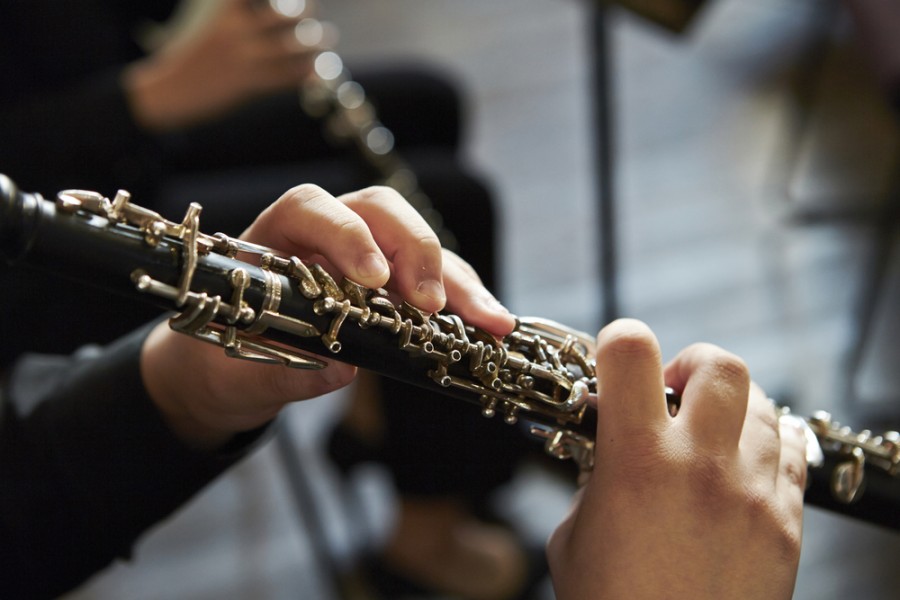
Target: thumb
<point>278,385</point>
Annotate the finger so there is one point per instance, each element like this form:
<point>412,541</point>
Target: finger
<point>790,484</point>
<point>468,298</point>
<point>281,45</point>
<point>792,466</point>
<point>276,20</point>
<point>282,72</point>
<point>760,441</point>
<point>281,51</point>
<point>630,390</point>
<point>715,387</point>
<point>308,220</point>
<point>280,385</point>
<point>408,243</point>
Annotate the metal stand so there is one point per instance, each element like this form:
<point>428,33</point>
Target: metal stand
<point>307,512</point>
<point>604,142</point>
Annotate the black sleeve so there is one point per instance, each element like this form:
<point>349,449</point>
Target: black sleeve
<point>64,117</point>
<point>83,135</point>
<point>134,10</point>
<point>86,465</point>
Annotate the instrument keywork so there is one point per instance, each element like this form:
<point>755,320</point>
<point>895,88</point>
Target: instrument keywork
<point>261,306</point>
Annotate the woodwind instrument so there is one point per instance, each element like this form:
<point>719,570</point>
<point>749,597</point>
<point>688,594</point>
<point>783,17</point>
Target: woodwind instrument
<point>349,119</point>
<point>281,310</point>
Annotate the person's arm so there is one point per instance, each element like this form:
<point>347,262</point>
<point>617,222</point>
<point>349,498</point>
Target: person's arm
<point>79,134</point>
<point>703,505</point>
<point>87,464</point>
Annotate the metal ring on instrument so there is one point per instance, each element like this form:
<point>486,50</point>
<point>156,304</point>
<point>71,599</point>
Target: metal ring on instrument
<point>271,302</point>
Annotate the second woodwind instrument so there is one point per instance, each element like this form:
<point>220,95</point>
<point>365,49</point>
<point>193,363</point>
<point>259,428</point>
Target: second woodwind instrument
<point>282,310</point>
<point>349,118</point>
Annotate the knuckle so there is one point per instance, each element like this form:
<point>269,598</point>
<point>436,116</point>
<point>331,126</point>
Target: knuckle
<point>730,368</point>
<point>428,242</point>
<point>761,507</point>
<point>711,480</point>
<point>796,474</point>
<point>757,504</point>
<point>382,190</point>
<point>764,412</point>
<point>303,194</point>
<point>786,533</point>
<point>791,539</point>
<point>347,226</point>
<point>452,257</point>
<point>376,194</point>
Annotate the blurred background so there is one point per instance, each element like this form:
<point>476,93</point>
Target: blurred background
<point>752,188</point>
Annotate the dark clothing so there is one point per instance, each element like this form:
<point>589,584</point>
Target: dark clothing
<point>64,119</point>
<point>87,464</point>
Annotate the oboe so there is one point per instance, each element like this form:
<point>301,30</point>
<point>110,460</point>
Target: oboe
<point>349,118</point>
<point>282,310</point>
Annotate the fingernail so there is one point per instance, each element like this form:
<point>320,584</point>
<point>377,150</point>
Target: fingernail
<point>372,265</point>
<point>432,288</point>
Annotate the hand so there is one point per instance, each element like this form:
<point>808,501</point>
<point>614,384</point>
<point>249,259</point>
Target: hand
<point>703,505</point>
<point>245,50</point>
<point>371,236</point>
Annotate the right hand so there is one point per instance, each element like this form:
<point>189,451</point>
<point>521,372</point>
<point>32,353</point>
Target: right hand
<point>246,50</point>
<point>372,236</point>
<point>700,506</point>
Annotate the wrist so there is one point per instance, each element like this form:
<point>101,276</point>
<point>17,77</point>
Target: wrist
<point>192,431</point>
<point>172,395</point>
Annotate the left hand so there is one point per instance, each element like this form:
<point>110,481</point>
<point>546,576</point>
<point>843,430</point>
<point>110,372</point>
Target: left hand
<point>704,505</point>
<point>375,238</point>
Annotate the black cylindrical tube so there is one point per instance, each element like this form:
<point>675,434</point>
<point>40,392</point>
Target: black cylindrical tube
<point>878,501</point>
